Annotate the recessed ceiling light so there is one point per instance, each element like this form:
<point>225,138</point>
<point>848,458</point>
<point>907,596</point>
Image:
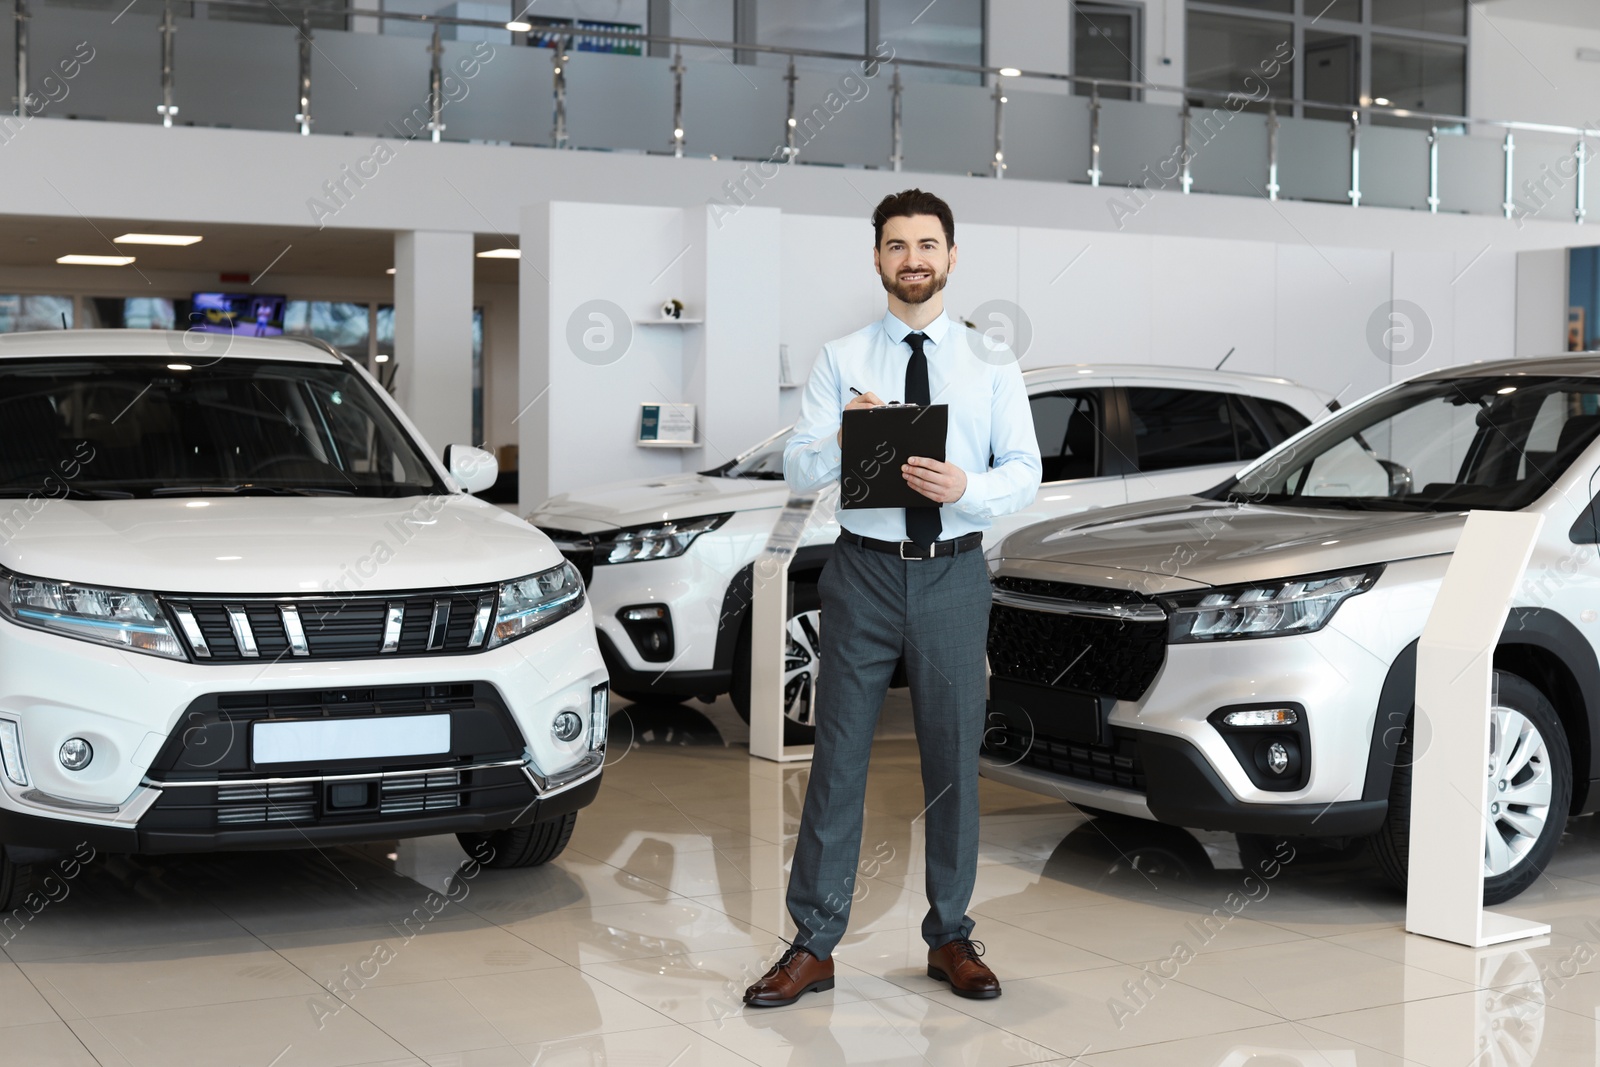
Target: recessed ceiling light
<point>180,366</point>
<point>178,240</point>
<point>1010,72</point>
<point>381,357</point>
<point>1382,101</point>
<point>95,261</point>
<point>389,271</point>
<point>501,253</point>
<point>516,26</point>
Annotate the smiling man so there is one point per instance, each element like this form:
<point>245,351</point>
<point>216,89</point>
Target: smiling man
<point>905,584</point>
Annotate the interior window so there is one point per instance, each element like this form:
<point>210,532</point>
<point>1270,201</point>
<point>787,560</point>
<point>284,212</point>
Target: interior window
<point>1067,426</point>
<point>1175,428</point>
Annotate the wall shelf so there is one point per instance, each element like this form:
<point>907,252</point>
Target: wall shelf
<point>668,444</point>
<point>668,322</point>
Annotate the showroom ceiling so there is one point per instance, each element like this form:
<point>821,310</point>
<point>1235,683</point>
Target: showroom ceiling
<point>27,241</point>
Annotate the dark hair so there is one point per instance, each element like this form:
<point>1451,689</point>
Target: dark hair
<point>912,202</point>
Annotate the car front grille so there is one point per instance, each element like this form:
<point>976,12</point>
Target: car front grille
<point>1117,764</point>
<point>243,629</point>
<point>334,802</point>
<point>1098,654</point>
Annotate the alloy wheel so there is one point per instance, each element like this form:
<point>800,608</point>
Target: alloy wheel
<point>1517,791</point>
<point>802,655</point>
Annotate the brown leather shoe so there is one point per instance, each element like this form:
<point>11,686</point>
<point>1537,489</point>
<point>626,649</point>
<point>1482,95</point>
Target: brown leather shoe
<point>797,973</point>
<point>957,962</point>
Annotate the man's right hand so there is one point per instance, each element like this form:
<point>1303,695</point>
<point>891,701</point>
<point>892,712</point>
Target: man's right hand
<point>865,400</point>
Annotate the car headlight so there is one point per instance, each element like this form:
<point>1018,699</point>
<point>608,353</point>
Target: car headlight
<point>534,602</point>
<point>657,541</point>
<point>1262,609</point>
<point>114,617</point>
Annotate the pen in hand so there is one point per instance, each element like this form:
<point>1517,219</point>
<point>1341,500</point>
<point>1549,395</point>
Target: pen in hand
<point>860,400</point>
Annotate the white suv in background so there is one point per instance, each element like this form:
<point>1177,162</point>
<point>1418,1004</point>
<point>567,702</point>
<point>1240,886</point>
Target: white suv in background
<point>1244,660</point>
<point>668,560</point>
<point>242,605</point>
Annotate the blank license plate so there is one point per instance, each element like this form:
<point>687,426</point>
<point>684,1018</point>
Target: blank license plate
<point>324,740</point>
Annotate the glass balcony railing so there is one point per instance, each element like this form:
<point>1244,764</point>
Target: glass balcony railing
<point>586,89</point>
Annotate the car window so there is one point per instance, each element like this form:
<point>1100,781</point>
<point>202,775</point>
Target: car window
<point>1492,442</point>
<point>1247,434</point>
<point>1067,426</point>
<point>149,427</point>
<point>1175,428</point>
<point>1285,419</point>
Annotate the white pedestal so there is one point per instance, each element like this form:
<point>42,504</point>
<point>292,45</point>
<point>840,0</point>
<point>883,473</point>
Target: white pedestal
<point>769,621</point>
<point>1455,667</point>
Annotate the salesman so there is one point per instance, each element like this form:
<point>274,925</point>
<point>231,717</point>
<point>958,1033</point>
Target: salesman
<point>905,583</point>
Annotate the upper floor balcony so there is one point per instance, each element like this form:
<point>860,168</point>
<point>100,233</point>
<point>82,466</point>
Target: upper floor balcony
<point>600,88</point>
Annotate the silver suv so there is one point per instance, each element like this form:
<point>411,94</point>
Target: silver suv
<point>1244,659</point>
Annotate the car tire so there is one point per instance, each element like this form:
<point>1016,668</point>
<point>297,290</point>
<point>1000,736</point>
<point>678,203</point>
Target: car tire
<point>1526,834</point>
<point>521,846</point>
<point>803,662</point>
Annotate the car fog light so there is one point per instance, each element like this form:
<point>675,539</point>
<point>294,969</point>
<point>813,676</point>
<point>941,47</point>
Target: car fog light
<point>1277,757</point>
<point>567,726</point>
<point>1262,717</point>
<point>11,752</point>
<point>76,754</point>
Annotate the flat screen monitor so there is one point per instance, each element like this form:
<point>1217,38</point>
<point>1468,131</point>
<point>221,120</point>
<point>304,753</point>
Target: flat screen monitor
<point>246,314</point>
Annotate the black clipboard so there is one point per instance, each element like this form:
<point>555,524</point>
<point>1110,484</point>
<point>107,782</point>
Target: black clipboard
<point>876,442</point>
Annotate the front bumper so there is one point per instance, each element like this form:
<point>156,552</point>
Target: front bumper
<point>1161,757</point>
<point>1184,790</point>
<point>155,786</point>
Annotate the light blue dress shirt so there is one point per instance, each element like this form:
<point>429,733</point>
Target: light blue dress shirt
<point>989,416</point>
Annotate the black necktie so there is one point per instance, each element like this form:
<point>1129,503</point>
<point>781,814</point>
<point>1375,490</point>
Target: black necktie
<point>922,523</point>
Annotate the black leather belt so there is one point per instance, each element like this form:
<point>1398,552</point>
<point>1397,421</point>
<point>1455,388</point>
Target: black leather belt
<point>907,550</point>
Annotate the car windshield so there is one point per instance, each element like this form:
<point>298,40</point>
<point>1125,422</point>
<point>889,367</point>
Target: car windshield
<point>132,426</point>
<point>763,462</point>
<point>1496,443</point>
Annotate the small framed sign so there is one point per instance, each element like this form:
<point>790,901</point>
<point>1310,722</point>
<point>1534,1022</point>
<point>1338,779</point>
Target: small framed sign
<point>666,425</point>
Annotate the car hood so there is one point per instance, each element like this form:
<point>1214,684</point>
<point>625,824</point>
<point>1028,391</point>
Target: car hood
<point>645,500</point>
<point>277,545</point>
<point>1190,542</point>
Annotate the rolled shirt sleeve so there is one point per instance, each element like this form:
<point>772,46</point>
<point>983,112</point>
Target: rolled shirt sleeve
<point>1012,482</point>
<point>812,459</point>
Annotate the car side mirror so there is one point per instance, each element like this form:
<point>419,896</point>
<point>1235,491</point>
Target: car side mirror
<point>474,468</point>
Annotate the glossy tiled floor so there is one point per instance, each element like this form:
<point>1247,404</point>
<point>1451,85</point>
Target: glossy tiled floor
<point>1119,945</point>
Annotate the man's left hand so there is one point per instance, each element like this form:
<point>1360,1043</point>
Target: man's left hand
<point>934,479</point>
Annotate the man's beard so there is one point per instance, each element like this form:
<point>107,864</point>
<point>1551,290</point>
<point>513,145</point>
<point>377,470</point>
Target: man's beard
<point>915,293</point>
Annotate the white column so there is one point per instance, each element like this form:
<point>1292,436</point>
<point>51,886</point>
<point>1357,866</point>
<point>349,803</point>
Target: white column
<point>531,422</point>
<point>433,333</point>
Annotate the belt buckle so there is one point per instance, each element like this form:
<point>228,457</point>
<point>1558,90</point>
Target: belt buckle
<point>903,544</point>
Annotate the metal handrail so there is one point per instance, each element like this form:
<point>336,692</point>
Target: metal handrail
<point>1003,79</point>
<point>645,38</point>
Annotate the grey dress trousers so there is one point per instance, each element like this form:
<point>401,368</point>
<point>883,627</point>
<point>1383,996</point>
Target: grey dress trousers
<point>877,608</point>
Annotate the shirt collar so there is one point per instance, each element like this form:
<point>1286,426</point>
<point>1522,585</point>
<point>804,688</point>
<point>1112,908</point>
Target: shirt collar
<point>898,330</point>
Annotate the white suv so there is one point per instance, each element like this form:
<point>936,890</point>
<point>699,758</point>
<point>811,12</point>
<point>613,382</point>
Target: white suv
<point>243,606</point>
<point>1244,660</point>
<point>668,560</point>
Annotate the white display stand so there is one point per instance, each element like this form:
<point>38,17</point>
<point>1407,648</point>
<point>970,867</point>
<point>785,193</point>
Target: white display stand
<point>769,624</point>
<point>1455,669</point>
